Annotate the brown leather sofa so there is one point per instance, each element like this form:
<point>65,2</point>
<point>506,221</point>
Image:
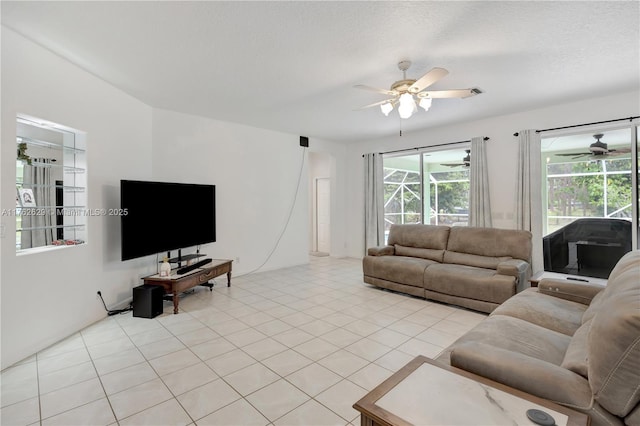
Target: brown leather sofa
<point>572,343</point>
<point>477,268</point>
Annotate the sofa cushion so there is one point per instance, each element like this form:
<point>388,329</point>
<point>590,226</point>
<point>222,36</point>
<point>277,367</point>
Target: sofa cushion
<point>516,335</point>
<point>553,313</point>
<point>575,359</point>
<point>593,307</point>
<point>469,282</point>
<point>490,242</point>
<point>487,262</point>
<point>420,236</point>
<point>525,373</point>
<point>633,418</point>
<point>399,269</point>
<point>424,253</point>
<point>614,367</point>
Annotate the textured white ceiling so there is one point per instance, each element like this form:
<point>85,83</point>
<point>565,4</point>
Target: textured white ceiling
<point>290,66</point>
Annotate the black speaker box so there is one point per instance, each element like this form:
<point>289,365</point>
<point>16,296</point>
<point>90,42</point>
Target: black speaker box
<point>147,301</point>
<point>304,141</point>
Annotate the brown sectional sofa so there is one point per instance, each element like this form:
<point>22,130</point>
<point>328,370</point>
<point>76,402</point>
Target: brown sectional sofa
<point>575,344</point>
<point>478,268</point>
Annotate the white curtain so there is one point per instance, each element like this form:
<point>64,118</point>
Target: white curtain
<point>373,201</point>
<point>479,205</point>
<point>529,192</point>
<point>39,220</point>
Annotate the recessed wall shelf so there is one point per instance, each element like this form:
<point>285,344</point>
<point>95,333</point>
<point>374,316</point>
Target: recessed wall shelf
<point>51,185</point>
<point>51,145</point>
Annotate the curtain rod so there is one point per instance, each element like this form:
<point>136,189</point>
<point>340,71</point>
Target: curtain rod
<point>584,124</point>
<point>427,146</point>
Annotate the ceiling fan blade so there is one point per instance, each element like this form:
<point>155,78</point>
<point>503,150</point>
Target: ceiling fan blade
<point>619,151</point>
<point>428,79</point>
<point>455,93</point>
<point>574,154</point>
<point>392,100</point>
<point>375,89</point>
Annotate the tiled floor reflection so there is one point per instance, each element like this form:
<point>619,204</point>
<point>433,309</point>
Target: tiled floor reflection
<point>295,346</point>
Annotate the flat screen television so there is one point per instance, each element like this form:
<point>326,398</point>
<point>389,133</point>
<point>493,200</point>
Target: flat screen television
<point>164,216</point>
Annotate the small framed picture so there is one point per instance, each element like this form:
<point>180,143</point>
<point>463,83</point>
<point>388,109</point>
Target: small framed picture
<point>26,197</point>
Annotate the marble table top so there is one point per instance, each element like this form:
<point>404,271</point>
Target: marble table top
<point>431,395</point>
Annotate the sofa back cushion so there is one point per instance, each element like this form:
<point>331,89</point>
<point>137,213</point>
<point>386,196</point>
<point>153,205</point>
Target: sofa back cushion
<point>423,253</point>
<point>614,340</point>
<point>492,242</point>
<point>416,240</point>
<point>593,307</point>
<point>575,359</point>
<point>487,262</point>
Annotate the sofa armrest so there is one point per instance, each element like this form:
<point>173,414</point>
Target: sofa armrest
<point>531,375</point>
<point>381,251</point>
<point>574,291</point>
<point>515,268</point>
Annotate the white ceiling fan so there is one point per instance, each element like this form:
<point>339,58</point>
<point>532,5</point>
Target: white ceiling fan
<point>598,149</point>
<point>405,92</point>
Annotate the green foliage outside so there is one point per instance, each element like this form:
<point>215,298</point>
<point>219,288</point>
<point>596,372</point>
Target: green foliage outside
<point>402,196</point>
<point>584,195</point>
<point>453,197</point>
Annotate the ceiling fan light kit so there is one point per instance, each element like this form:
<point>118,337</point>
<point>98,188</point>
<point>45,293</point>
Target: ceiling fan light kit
<point>425,103</point>
<point>386,108</point>
<point>409,93</point>
<point>407,105</point>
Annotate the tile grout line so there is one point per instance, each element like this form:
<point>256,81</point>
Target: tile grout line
<point>324,282</point>
<point>38,387</point>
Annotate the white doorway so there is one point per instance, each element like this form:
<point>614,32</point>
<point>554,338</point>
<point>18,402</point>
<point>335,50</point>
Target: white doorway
<point>323,216</point>
<point>322,192</point>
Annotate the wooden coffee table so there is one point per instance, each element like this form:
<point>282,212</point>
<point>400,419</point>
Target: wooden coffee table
<point>176,284</point>
<point>424,392</point>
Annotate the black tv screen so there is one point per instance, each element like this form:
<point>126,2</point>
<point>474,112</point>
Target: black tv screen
<point>163,216</point>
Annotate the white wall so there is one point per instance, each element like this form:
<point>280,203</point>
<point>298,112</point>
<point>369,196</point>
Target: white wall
<point>502,151</point>
<point>256,174</point>
<point>50,295</point>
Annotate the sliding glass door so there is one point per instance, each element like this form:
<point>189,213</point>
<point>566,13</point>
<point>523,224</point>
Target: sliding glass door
<point>429,187</point>
<point>591,216</point>
<point>402,190</point>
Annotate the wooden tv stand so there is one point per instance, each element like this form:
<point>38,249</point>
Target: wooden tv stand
<point>176,284</point>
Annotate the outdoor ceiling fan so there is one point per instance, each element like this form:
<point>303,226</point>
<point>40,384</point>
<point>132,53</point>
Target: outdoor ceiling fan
<point>466,161</point>
<point>404,93</point>
<point>598,149</point>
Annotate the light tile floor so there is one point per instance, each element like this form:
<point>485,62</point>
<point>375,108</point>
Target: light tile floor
<point>295,346</point>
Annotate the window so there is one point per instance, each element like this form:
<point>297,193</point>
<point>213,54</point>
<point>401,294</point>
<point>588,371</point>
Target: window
<point>589,198</point>
<point>449,198</point>
<point>50,185</point>
<point>431,187</point>
<point>402,190</point>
